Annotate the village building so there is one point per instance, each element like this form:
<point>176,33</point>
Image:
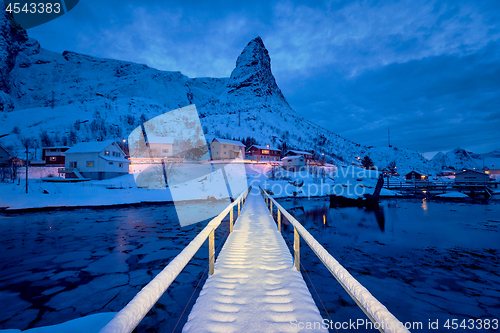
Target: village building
<point>293,163</point>
<point>414,175</point>
<point>309,157</point>
<point>4,156</point>
<point>224,149</point>
<point>471,176</point>
<point>492,170</point>
<point>95,160</point>
<point>161,147</point>
<point>263,153</point>
<point>54,156</point>
<point>448,172</point>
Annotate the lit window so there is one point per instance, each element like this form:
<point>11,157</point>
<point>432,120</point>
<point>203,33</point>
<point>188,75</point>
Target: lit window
<point>52,158</point>
<point>106,152</point>
<point>90,164</point>
<point>121,165</point>
<point>265,151</point>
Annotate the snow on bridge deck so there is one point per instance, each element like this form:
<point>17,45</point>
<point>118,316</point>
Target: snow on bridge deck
<point>255,287</point>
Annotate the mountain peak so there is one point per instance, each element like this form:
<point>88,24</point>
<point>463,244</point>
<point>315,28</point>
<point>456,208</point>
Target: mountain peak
<point>252,77</point>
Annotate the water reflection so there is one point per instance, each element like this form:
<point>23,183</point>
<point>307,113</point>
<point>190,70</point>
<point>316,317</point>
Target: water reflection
<point>323,217</point>
<point>380,217</point>
<point>407,223</point>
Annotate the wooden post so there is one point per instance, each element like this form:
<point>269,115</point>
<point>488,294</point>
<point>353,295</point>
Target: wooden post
<point>296,247</point>
<point>211,252</point>
<point>271,208</point>
<point>279,220</point>
<point>231,220</point>
<point>239,208</point>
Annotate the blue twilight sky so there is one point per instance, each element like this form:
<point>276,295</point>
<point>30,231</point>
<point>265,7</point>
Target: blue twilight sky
<point>429,70</point>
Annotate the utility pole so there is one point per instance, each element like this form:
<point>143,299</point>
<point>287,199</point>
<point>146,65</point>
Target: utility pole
<point>26,167</point>
<point>389,136</point>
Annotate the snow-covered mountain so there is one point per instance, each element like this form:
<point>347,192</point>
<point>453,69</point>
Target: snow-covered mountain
<point>460,158</point>
<point>70,97</point>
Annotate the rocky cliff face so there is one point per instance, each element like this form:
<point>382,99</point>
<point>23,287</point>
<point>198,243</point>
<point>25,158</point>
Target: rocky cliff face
<point>11,42</point>
<point>252,81</point>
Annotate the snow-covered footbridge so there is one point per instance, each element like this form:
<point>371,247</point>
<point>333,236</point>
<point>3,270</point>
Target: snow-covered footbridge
<point>255,285</point>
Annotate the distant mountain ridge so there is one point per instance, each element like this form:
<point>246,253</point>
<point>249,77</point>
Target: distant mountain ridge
<point>459,158</point>
<point>72,97</point>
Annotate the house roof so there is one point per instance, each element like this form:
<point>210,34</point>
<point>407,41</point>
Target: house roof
<point>479,172</point>
<point>417,171</point>
<point>264,147</point>
<point>115,159</point>
<point>299,152</point>
<point>292,157</point>
<point>160,139</point>
<point>90,147</point>
<point>58,147</point>
<point>230,142</point>
<point>2,147</point>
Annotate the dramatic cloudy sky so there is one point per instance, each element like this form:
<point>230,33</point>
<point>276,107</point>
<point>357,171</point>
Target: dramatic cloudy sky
<point>429,70</point>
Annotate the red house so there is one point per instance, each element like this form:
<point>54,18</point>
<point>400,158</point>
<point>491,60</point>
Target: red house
<point>54,155</point>
<point>263,153</point>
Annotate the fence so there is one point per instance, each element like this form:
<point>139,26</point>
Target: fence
<point>374,310</point>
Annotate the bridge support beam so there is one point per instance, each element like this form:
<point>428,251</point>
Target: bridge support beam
<point>296,247</point>
<point>211,252</point>
<point>231,223</point>
<point>271,209</point>
<point>279,220</point>
<point>239,207</point>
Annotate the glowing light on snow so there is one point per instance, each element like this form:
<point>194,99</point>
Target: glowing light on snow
<point>175,156</point>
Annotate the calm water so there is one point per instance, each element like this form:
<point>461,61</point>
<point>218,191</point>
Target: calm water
<point>423,260</point>
<point>60,265</point>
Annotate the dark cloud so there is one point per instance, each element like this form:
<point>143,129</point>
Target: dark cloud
<point>437,103</point>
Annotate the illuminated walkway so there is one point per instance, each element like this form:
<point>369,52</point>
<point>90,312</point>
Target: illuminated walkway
<point>255,287</point>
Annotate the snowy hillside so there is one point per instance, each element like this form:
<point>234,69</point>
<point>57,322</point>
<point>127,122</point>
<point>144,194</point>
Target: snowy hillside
<point>253,99</point>
<point>460,158</point>
<point>61,99</point>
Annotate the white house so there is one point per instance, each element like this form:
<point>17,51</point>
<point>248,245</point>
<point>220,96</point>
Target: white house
<point>471,176</point>
<point>161,147</point>
<point>223,149</point>
<point>293,163</point>
<point>309,158</point>
<point>95,160</point>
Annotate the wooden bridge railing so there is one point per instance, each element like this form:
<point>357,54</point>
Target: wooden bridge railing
<point>381,317</point>
<point>131,315</point>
